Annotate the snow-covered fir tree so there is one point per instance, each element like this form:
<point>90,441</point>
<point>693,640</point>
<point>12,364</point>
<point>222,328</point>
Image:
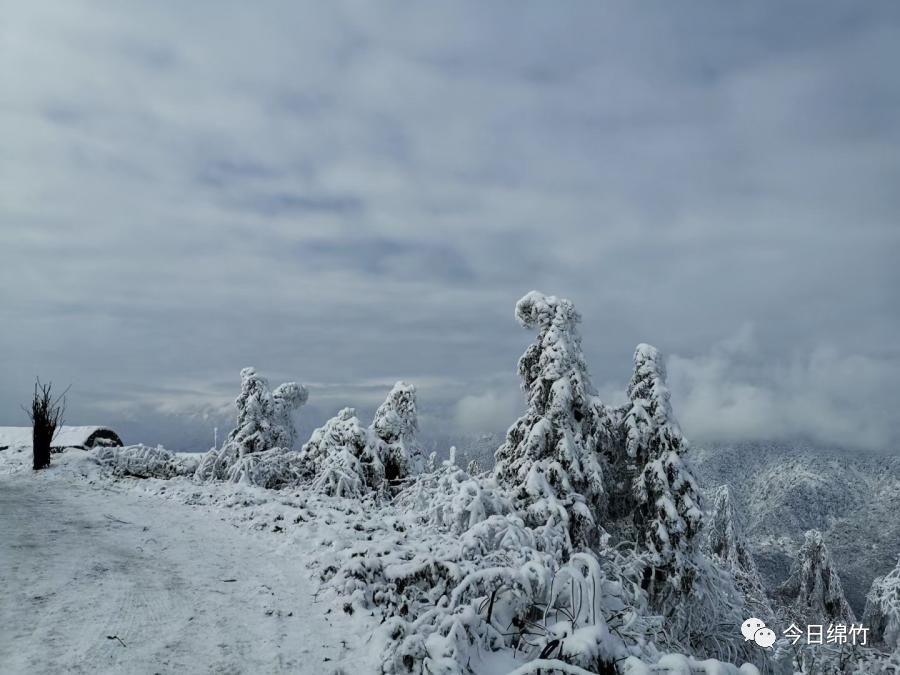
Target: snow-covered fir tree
<point>812,593</point>
<point>394,427</point>
<point>668,512</point>
<point>264,424</point>
<point>882,613</point>
<point>550,460</point>
<point>255,429</point>
<point>346,459</point>
<point>725,541</point>
<point>286,399</point>
<point>339,460</point>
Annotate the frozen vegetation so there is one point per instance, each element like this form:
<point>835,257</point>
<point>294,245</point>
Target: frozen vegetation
<point>883,609</point>
<point>586,547</point>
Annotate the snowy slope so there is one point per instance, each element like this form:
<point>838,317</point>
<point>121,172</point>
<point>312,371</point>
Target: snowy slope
<point>85,558</point>
<point>783,490</point>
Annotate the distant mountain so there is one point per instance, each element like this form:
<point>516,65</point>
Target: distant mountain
<point>783,490</point>
<point>480,447</point>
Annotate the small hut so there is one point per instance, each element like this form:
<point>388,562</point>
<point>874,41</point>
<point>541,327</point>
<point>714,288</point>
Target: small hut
<point>66,437</point>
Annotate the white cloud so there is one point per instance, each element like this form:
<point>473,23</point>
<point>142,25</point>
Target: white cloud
<point>488,411</point>
<point>833,397</point>
<point>346,195</point>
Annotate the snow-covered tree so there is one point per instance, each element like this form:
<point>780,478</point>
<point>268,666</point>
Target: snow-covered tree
<point>286,398</point>
<point>550,460</point>
<point>338,458</point>
<point>813,593</point>
<point>346,459</point>
<point>264,423</point>
<point>882,613</point>
<point>394,426</point>
<point>725,541</point>
<point>668,512</point>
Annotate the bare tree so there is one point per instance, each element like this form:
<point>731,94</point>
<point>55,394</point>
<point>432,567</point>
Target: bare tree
<point>46,417</point>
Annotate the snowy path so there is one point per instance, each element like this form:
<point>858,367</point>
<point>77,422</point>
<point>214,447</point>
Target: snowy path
<point>80,562</point>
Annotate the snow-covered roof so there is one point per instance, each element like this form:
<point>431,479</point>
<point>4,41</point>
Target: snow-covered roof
<point>66,437</point>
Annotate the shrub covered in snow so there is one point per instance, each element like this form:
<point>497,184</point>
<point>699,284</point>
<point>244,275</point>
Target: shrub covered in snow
<point>882,614</point>
<point>274,469</point>
<point>452,499</point>
<point>142,461</point>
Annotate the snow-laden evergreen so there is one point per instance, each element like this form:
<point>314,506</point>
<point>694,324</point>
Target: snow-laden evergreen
<point>511,558</point>
<point>258,448</point>
<point>345,459</point>
<point>812,594</point>
<point>394,427</point>
<point>264,419</point>
<point>339,458</point>
<point>725,540</point>
<point>286,400</point>
<point>668,514</point>
<point>550,460</point>
<point>882,614</point>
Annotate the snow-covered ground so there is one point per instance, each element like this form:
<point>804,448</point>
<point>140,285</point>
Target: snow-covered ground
<point>106,574</point>
<point>103,576</point>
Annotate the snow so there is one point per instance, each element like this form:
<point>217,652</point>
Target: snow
<point>66,436</point>
<point>85,558</point>
<point>15,437</point>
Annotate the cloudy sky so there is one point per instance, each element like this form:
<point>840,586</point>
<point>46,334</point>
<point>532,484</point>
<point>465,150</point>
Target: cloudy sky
<point>350,194</point>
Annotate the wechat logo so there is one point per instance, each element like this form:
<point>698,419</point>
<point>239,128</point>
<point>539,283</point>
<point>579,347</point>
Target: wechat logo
<point>754,629</point>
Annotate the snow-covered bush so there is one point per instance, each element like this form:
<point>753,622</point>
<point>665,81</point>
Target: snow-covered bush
<point>274,469</point>
<point>216,463</point>
<point>882,613</point>
<point>668,512</point>
<point>142,461</point>
<point>264,424</point>
<point>452,499</point>
<point>550,460</point>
